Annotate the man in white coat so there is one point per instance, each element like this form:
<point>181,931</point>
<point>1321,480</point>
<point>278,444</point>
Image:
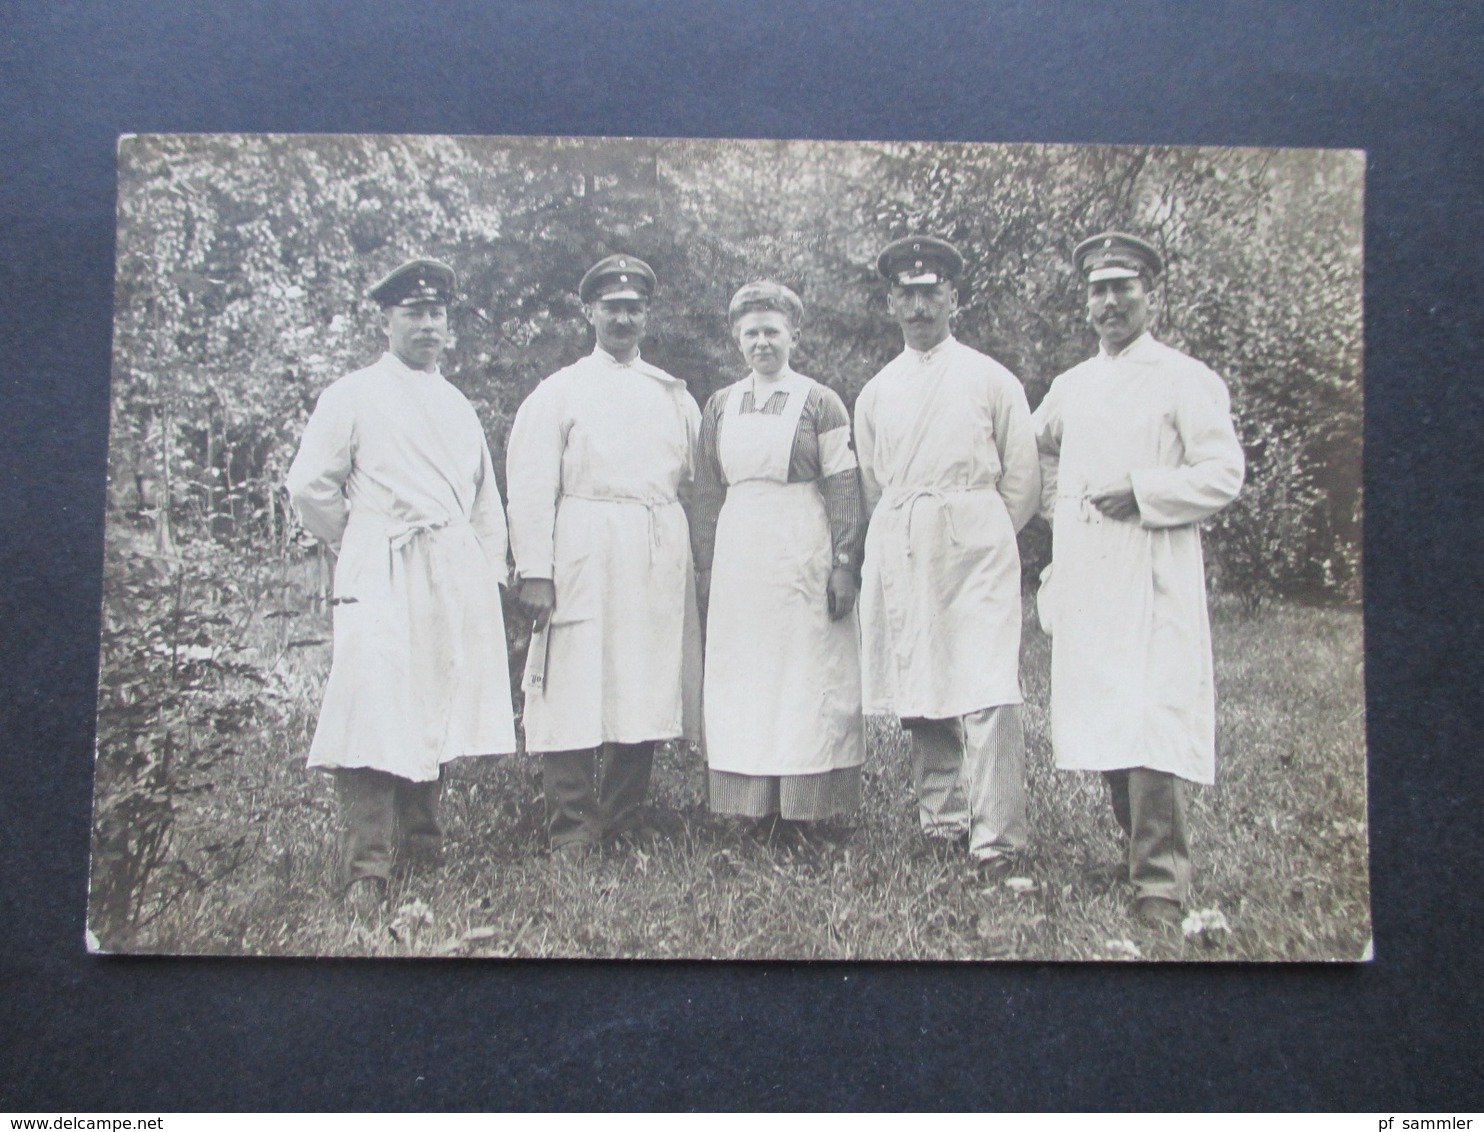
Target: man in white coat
<point>394,475</point>
<point>948,465</point>
<point>599,457</point>
<point>1137,448</point>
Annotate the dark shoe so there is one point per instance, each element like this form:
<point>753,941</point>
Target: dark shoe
<point>820,835</point>
<point>796,838</point>
<point>640,835</point>
<point>1157,912</point>
<point>572,851</point>
<point>1110,873</point>
<point>777,830</point>
<point>421,854</point>
<point>365,899</point>
<point>996,868</point>
<point>829,832</point>
<point>766,830</point>
<point>941,848</point>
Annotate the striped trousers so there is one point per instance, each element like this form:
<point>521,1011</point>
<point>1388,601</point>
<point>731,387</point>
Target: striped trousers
<point>970,778</point>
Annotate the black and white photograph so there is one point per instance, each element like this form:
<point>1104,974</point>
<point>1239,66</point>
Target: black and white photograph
<point>562,547</point>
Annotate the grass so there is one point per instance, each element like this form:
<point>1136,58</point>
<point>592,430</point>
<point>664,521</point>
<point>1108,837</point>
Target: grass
<point>1280,842</point>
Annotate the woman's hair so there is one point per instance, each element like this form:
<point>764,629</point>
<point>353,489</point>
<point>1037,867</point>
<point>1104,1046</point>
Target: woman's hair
<point>766,295</point>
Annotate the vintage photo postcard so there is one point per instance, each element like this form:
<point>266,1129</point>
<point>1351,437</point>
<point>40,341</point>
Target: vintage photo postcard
<point>597,547</point>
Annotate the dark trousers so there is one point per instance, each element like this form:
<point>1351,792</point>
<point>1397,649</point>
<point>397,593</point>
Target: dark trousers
<point>585,802</point>
<point>380,812</point>
<point>1150,806</point>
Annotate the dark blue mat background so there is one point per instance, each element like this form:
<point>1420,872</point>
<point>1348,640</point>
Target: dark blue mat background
<point>1402,81</point>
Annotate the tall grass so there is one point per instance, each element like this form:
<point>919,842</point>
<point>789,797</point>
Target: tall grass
<point>1280,842</point>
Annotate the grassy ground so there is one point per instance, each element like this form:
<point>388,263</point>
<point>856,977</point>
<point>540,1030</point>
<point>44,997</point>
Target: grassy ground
<point>1280,842</point>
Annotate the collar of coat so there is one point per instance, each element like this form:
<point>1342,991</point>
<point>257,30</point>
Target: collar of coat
<point>925,356</point>
<point>639,365</point>
<point>400,366</point>
<point>1133,351</point>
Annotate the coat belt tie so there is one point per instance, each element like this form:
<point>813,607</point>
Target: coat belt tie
<point>1086,512</point>
<point>649,505</point>
<point>399,535</point>
<point>910,497</point>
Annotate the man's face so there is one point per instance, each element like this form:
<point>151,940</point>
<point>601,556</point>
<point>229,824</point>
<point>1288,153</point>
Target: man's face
<point>619,323</point>
<point>923,311</point>
<point>1118,309</point>
<point>417,333</point>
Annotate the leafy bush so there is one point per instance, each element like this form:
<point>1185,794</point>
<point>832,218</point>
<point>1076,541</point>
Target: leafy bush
<point>178,699</point>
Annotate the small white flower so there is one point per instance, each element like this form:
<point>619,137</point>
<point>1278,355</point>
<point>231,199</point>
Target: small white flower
<point>1208,921</point>
<point>414,913</point>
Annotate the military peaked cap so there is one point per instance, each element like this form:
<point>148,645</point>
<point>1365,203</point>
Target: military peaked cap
<point>920,260</point>
<point>1116,255</point>
<point>416,281</point>
<point>617,277</point>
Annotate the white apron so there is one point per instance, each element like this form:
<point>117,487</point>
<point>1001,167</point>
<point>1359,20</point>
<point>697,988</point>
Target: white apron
<point>782,684</point>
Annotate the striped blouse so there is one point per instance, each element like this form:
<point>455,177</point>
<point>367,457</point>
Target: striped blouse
<point>824,413</point>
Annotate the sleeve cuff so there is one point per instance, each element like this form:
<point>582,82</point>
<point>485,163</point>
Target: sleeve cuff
<point>1149,485</point>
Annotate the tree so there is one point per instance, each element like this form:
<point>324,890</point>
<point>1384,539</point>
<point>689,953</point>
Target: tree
<point>243,264</point>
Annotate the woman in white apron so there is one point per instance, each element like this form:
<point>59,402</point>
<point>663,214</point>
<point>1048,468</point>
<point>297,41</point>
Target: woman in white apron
<point>776,530</point>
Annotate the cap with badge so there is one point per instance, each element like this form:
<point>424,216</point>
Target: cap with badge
<point>1116,255</point>
<point>617,277</point>
<point>920,261</point>
<point>416,281</point>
